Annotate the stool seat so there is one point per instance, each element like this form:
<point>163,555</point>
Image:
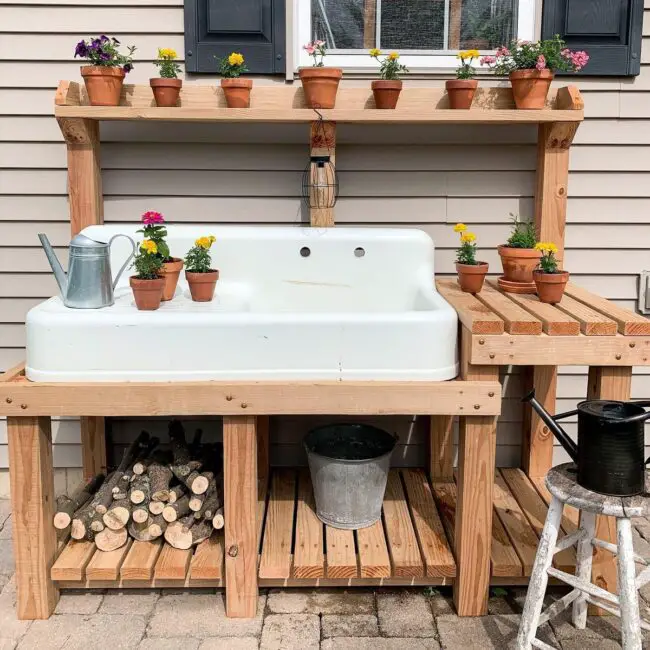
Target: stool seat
<point>561,482</point>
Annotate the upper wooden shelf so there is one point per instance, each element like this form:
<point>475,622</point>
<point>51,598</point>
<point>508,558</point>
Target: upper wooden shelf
<point>285,103</point>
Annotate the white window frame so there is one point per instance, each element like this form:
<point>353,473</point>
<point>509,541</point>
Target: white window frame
<point>415,60</point>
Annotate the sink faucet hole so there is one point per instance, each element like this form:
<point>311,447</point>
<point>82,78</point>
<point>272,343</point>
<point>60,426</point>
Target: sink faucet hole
<point>305,251</point>
<point>359,252</point>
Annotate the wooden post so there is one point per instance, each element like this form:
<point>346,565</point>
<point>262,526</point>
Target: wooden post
<point>607,383</point>
<point>476,468</point>
<point>32,498</point>
<point>262,427</point>
<point>93,446</point>
<point>322,143</point>
<point>240,510</point>
<point>441,448</point>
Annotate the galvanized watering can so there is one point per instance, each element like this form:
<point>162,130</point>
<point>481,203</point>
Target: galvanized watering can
<point>610,450</point>
<point>89,282</point>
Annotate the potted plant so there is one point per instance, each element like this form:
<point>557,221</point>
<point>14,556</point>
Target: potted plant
<point>105,74</point>
<point>167,87</point>
<point>387,89</point>
<point>236,90</point>
<point>147,284</point>
<point>462,89</point>
<point>519,258</point>
<point>200,276</point>
<point>471,274</point>
<point>550,281</point>
<point>532,66</point>
<point>320,84</point>
<point>155,231</point>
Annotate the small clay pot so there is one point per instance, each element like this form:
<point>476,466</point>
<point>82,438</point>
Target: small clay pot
<point>461,92</point>
<point>550,286</point>
<point>386,92</point>
<point>320,86</point>
<point>170,272</point>
<point>530,88</point>
<point>103,84</point>
<point>518,266</point>
<point>147,293</point>
<point>471,276</point>
<point>202,285</point>
<point>166,91</point>
<point>237,92</point>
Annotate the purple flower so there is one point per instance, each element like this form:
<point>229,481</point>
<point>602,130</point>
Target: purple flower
<point>127,67</point>
<point>81,49</point>
<point>105,56</point>
<point>115,41</point>
<point>103,38</point>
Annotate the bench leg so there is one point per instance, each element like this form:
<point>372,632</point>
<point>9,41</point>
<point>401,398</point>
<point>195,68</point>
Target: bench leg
<point>32,498</point>
<point>627,593</point>
<point>584,559</point>
<point>240,509</point>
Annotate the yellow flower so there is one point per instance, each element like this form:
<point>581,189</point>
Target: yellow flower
<point>460,227</point>
<point>467,237</point>
<point>546,247</point>
<point>375,51</point>
<point>167,53</point>
<point>468,54</point>
<point>236,59</point>
<point>149,247</point>
<point>393,56</point>
<point>212,239</point>
<point>205,242</point>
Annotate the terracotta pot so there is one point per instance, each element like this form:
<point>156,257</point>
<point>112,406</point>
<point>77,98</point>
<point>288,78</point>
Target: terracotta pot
<point>471,276</point>
<point>202,285</point>
<point>320,86</point>
<point>530,87</point>
<point>386,92</point>
<point>461,92</point>
<point>518,266</point>
<point>237,92</point>
<point>103,84</point>
<point>166,91</point>
<point>170,272</point>
<point>550,286</point>
<point>147,293</point>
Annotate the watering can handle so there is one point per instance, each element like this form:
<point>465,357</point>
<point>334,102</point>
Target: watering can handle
<point>128,259</point>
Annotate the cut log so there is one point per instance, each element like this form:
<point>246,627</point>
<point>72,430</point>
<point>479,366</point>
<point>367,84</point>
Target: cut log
<point>176,493</point>
<point>156,507</point>
<point>111,540</point>
<point>199,483</point>
<point>140,532</point>
<point>118,515</point>
<point>181,536</point>
<point>140,489</point>
<point>140,514</point>
<point>159,477</point>
<point>66,507</point>
<point>85,524</point>
<point>97,524</point>
<point>119,495</point>
<point>174,511</point>
<point>218,520</point>
<point>196,503</point>
<point>157,527</point>
<point>210,505</point>
<point>147,456</point>
<point>182,465</point>
<point>124,482</point>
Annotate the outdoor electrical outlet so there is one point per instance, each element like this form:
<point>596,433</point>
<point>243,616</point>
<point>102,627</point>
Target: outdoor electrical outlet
<point>644,292</point>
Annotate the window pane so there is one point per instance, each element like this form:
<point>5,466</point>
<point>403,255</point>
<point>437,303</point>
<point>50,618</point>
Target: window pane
<point>412,24</point>
<point>344,24</point>
<point>484,24</point>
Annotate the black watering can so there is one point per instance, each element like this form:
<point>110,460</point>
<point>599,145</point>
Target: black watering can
<point>610,450</point>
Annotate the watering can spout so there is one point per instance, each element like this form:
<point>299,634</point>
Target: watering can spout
<point>59,273</point>
<point>551,422</point>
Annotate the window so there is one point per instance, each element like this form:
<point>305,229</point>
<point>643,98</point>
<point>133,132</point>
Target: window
<point>427,33</point>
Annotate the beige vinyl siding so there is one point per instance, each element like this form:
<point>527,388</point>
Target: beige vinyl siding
<point>412,176</point>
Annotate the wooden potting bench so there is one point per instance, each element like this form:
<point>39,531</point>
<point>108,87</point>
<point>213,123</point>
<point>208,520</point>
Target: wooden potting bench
<point>433,532</point>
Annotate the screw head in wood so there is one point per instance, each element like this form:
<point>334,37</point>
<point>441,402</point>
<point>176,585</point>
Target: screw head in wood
<point>9,400</point>
<point>477,407</point>
<point>632,345</point>
<point>492,356</point>
<point>228,398</point>
<point>491,393</point>
<point>233,551</point>
<point>618,356</point>
<point>481,341</point>
<point>23,406</point>
<point>244,405</point>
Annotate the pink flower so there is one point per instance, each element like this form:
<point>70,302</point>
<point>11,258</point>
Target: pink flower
<point>503,51</point>
<point>487,60</point>
<point>541,62</point>
<point>309,48</point>
<point>319,43</point>
<point>152,217</point>
<point>580,59</point>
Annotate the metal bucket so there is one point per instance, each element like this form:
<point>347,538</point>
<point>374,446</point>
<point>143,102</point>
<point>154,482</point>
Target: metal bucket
<point>349,467</point>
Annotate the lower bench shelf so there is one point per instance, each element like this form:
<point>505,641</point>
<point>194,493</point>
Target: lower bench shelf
<point>411,545</point>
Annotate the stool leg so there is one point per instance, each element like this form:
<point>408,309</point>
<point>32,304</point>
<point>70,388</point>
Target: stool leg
<point>539,578</point>
<point>628,597</point>
<point>584,559</point>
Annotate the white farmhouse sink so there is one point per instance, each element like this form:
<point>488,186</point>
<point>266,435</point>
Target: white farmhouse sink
<point>291,303</point>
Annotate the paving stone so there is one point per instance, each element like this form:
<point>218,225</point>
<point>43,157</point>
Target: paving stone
<point>350,625</point>
<point>601,631</point>
<point>200,615</point>
<point>7,529</point>
<point>4,579</point>
<point>242,643</point>
<point>642,526</point>
<point>77,632</point>
<point>377,643</point>
<point>405,613</point>
<point>78,602</point>
<point>485,632</point>
<point>7,562</point>
<point>441,602</point>
<point>169,644</point>
<point>290,632</point>
<point>131,601</point>
<point>321,601</point>
<point>5,511</point>
<point>7,644</point>
<point>11,629</point>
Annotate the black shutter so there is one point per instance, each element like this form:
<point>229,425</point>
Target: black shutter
<point>609,30</point>
<point>256,28</point>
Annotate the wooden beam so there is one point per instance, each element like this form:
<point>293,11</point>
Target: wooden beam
<point>322,142</point>
<point>93,446</point>
<point>32,498</point>
<point>455,18</point>
<point>441,448</point>
<point>13,373</point>
<point>369,23</point>
<point>240,510</point>
<point>262,427</point>
<point>472,313</point>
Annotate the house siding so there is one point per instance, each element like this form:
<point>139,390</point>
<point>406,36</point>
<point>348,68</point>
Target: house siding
<point>422,177</point>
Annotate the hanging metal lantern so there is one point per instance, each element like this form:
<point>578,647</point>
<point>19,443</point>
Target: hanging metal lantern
<point>320,183</point>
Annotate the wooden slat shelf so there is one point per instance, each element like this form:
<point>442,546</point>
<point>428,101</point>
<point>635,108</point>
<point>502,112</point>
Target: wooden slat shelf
<point>411,545</point>
<point>285,103</point>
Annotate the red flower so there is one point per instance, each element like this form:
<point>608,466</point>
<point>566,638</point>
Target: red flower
<point>152,217</point>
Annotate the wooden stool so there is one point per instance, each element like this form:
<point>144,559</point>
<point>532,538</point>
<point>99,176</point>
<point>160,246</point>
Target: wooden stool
<point>561,483</point>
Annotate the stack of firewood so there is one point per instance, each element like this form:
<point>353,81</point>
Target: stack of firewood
<point>175,492</point>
